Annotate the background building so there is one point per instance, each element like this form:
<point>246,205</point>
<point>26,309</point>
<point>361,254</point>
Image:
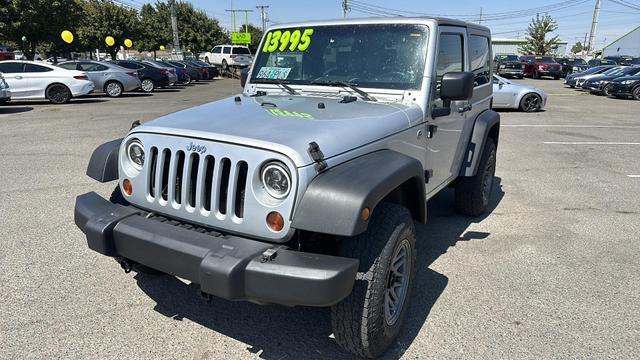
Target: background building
<point>627,44</point>
<point>510,46</point>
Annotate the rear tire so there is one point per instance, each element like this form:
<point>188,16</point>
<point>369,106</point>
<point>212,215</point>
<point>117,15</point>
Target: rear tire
<point>206,59</point>
<point>369,320</point>
<point>147,85</point>
<point>473,193</point>
<point>58,94</point>
<point>636,93</point>
<point>225,66</point>
<point>606,90</point>
<point>113,89</point>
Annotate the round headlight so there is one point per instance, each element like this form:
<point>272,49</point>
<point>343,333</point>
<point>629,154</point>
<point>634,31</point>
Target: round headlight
<point>276,180</point>
<point>135,152</point>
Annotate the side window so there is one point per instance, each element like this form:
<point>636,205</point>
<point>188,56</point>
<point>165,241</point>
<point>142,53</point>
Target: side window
<point>92,67</point>
<point>68,66</point>
<point>479,59</point>
<point>11,67</point>
<point>450,57</point>
<point>226,50</point>
<point>33,68</point>
<point>217,50</point>
<point>127,65</point>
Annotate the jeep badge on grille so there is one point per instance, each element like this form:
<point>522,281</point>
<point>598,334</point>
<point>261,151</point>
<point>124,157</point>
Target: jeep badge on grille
<point>197,148</point>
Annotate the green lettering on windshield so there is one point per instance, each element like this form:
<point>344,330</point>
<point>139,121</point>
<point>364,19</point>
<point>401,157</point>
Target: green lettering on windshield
<point>296,40</point>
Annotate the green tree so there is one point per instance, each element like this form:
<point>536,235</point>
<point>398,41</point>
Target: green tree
<point>256,36</point>
<point>577,47</point>
<point>39,21</point>
<point>104,18</point>
<point>537,43</point>
<point>155,29</point>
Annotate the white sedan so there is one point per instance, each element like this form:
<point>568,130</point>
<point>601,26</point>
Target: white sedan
<point>34,80</point>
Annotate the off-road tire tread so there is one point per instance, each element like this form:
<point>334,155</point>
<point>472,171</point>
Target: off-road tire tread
<point>358,321</point>
<point>468,191</point>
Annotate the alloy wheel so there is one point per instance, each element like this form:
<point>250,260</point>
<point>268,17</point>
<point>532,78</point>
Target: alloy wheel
<point>147,85</point>
<point>397,282</point>
<point>114,89</point>
<point>58,94</point>
<point>530,103</point>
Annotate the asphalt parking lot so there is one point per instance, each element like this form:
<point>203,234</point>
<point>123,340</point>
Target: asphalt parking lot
<point>550,272</point>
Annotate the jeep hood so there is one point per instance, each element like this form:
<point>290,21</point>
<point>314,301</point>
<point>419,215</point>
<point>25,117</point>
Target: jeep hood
<point>287,124</point>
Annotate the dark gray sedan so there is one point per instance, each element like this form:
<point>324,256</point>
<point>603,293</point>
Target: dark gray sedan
<point>109,78</point>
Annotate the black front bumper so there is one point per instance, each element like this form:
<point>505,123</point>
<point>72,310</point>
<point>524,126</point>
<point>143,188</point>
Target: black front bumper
<point>229,267</point>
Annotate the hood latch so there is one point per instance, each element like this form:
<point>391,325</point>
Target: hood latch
<point>317,156</point>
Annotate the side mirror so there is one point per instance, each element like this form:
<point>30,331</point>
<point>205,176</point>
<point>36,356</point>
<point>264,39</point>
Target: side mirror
<point>244,74</point>
<point>454,86</point>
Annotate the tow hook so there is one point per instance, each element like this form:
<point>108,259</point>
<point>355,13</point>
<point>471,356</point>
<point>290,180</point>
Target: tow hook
<point>270,254</point>
<point>126,265</point>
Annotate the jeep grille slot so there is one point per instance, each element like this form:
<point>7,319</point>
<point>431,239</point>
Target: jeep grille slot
<point>223,189</point>
<point>194,163</point>
<point>152,172</point>
<point>165,163</point>
<point>178,180</point>
<point>241,185</point>
<point>209,164</point>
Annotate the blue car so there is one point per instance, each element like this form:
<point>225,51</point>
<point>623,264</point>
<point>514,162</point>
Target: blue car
<point>183,75</point>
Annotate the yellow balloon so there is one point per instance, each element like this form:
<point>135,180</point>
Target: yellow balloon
<point>109,40</point>
<point>161,47</point>
<point>67,36</point>
<point>128,43</point>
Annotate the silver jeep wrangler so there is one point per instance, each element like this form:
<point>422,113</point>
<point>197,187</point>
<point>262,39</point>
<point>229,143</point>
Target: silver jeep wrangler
<point>304,189</point>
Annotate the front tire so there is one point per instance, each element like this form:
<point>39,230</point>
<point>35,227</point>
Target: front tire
<point>225,66</point>
<point>368,321</point>
<point>113,89</point>
<point>58,94</point>
<point>636,93</point>
<point>606,90</point>
<point>530,102</point>
<point>206,59</point>
<point>473,193</point>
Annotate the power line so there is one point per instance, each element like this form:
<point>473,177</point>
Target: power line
<point>263,16</point>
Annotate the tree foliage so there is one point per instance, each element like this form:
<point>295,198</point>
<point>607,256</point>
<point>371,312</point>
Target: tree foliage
<point>104,18</point>
<point>537,43</point>
<point>577,47</point>
<point>39,21</point>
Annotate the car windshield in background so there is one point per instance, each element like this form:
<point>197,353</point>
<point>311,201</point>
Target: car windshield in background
<point>390,56</point>
<point>544,59</point>
<point>507,57</point>
<point>240,51</point>
<point>577,62</point>
<point>615,71</point>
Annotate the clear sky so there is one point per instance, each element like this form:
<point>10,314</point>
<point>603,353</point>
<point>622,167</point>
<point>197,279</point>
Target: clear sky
<point>506,19</point>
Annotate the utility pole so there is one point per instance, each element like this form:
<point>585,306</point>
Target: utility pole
<point>345,8</point>
<point>594,25</point>
<point>584,45</point>
<point>174,27</point>
<point>246,18</point>
<point>480,21</point>
<point>263,16</point>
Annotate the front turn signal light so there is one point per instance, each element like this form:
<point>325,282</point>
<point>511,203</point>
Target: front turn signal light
<point>127,187</point>
<point>275,221</point>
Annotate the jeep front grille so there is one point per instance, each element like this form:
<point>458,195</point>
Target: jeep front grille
<point>218,187</point>
<point>197,182</point>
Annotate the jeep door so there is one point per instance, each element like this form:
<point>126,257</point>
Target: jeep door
<point>443,145</point>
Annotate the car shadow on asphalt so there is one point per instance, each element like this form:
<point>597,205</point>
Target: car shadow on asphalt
<point>7,109</point>
<point>280,332</point>
<point>79,100</point>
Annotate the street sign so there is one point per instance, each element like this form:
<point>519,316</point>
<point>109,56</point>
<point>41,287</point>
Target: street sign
<point>240,38</point>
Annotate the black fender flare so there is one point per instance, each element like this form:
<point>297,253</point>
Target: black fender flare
<point>103,165</point>
<point>334,200</point>
<point>487,125</point>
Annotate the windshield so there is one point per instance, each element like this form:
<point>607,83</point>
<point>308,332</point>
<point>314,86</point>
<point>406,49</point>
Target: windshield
<point>507,57</point>
<point>390,56</point>
<point>576,62</point>
<point>544,59</point>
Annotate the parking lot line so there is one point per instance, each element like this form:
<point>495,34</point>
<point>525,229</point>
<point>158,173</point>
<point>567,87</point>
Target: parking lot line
<point>589,143</point>
<point>574,126</point>
<point>634,176</point>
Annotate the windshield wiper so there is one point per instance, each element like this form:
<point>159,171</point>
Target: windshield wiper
<point>277,82</point>
<point>351,86</point>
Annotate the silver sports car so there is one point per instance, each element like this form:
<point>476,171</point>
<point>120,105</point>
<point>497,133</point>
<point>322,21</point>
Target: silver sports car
<point>507,95</point>
<point>109,78</point>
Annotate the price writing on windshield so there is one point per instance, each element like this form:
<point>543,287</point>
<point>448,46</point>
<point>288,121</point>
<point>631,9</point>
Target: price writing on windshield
<point>296,40</point>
